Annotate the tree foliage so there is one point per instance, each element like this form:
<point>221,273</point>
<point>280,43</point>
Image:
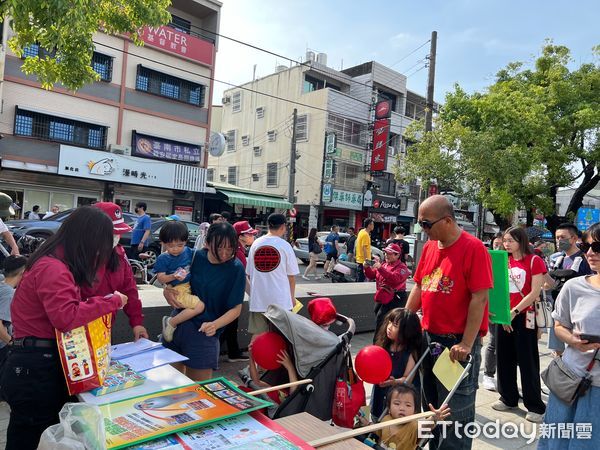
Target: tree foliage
<point>65,30</point>
<point>513,146</point>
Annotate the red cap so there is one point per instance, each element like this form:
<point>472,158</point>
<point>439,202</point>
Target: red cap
<point>322,311</point>
<point>243,227</point>
<point>393,248</point>
<point>115,213</point>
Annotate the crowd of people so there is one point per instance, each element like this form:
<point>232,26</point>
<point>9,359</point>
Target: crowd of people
<point>72,279</point>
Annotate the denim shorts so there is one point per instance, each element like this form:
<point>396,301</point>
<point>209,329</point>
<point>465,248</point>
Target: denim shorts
<point>202,350</point>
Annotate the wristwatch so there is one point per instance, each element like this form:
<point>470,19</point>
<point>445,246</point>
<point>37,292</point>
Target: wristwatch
<point>516,311</point>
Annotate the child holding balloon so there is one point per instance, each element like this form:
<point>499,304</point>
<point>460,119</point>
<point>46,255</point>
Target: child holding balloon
<point>400,335</point>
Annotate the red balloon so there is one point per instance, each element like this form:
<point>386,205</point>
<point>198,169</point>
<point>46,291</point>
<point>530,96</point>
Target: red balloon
<point>266,348</point>
<point>373,364</point>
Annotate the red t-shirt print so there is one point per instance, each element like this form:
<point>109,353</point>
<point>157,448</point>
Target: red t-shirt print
<point>266,259</point>
<point>448,277</point>
<point>520,274</point>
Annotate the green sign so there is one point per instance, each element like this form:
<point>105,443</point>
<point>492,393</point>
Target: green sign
<point>328,173</point>
<point>330,143</point>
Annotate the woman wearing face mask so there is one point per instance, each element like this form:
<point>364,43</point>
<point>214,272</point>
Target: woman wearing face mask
<point>116,274</point>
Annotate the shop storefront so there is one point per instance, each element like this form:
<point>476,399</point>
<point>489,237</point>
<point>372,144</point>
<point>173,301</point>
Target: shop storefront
<point>340,207</point>
<point>384,210</point>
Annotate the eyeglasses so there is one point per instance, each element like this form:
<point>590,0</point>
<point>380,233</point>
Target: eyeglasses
<point>429,224</point>
<point>584,247</point>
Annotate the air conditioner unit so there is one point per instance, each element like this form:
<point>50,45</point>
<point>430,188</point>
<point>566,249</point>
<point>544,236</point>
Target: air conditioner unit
<point>120,149</point>
<point>392,150</point>
<point>223,177</point>
<point>255,177</point>
<point>257,151</point>
<point>226,99</point>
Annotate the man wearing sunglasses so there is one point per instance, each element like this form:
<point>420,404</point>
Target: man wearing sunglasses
<point>452,281</point>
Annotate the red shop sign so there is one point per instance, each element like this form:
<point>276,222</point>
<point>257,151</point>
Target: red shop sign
<point>380,140</point>
<point>182,44</point>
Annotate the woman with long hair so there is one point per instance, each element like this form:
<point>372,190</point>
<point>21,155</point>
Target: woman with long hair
<point>517,343</point>
<point>313,256</point>
<point>219,279</point>
<point>48,299</point>
<point>577,313</point>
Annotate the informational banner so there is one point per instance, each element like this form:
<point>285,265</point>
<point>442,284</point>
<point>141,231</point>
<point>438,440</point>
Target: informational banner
<point>586,217</point>
<point>330,143</point>
<point>386,204</point>
<point>327,191</point>
<point>328,172</point>
<point>150,416</point>
<point>346,199</point>
<point>380,141</point>
<point>182,44</point>
<point>184,212</point>
<point>146,146</point>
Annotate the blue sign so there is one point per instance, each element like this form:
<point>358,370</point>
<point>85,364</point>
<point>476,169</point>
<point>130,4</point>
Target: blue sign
<point>586,217</point>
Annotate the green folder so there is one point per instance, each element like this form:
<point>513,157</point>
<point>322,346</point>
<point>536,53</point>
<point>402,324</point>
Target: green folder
<point>500,294</point>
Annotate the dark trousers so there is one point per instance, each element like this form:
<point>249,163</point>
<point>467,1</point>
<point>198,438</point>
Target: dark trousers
<point>34,386</point>
<point>133,252</point>
<point>490,351</point>
<point>230,336</point>
<point>360,273</point>
<point>519,348</point>
<point>399,301</point>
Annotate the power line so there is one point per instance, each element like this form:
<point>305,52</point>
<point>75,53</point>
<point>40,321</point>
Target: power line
<point>414,51</point>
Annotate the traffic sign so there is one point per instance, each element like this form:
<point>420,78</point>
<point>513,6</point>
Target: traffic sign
<point>293,212</point>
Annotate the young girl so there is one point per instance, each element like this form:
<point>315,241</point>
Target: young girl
<point>402,401</point>
<point>14,266</point>
<point>400,334</point>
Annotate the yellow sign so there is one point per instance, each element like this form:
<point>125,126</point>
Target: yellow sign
<point>446,371</point>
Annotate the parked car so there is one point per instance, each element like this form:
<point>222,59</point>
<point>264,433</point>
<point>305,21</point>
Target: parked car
<point>153,249</point>
<point>301,247</point>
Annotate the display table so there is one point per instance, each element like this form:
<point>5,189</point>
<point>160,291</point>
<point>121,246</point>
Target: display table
<point>159,379</point>
<point>309,428</point>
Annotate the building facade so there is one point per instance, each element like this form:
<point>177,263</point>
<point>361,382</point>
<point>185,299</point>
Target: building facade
<point>138,134</point>
<point>333,180</point>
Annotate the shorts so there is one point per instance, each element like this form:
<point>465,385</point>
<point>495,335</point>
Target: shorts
<point>313,257</point>
<point>202,350</point>
<point>185,296</point>
<point>257,323</point>
<point>332,255</point>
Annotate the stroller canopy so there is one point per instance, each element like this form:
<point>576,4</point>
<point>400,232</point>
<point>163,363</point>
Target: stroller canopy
<point>311,343</point>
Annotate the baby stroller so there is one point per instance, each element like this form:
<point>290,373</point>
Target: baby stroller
<point>318,355</point>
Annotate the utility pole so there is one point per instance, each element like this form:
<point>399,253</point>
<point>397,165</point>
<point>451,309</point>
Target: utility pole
<point>292,181</point>
<point>430,83</point>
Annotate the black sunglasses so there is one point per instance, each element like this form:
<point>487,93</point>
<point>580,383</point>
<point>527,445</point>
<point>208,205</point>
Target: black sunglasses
<point>429,224</point>
<point>584,247</point>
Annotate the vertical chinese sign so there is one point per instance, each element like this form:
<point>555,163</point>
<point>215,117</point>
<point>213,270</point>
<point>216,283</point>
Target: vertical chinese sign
<point>381,132</point>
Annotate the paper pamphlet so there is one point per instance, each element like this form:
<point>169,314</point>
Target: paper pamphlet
<point>152,359</point>
<point>151,416</point>
<point>297,306</point>
<point>446,371</point>
<point>120,351</point>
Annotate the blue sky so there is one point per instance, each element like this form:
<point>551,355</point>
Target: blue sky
<point>475,38</point>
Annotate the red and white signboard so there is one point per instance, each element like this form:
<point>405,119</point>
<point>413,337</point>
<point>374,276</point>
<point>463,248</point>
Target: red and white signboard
<point>380,140</point>
<point>182,44</point>
<point>184,212</point>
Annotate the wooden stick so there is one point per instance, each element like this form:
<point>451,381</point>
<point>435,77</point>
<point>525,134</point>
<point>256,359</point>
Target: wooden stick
<point>363,430</point>
<point>281,386</point>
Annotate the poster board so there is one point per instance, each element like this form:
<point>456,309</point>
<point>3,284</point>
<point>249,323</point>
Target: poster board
<point>500,294</point>
<point>151,416</point>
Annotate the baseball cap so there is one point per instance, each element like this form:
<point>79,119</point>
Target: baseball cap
<point>243,227</point>
<point>115,213</point>
<point>393,248</point>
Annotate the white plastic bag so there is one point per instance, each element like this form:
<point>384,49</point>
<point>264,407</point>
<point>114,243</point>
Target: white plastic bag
<point>81,427</point>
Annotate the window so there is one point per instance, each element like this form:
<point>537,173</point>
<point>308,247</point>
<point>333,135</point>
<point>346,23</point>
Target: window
<point>237,102</point>
<point>302,128</point>
<point>51,128</point>
<point>32,51</point>
<point>260,112</point>
<point>312,84</point>
<point>272,178</point>
<point>257,151</point>
<point>387,184</point>
<point>245,140</point>
<point>179,24</point>
<point>103,66</point>
<point>232,175</point>
<point>158,83</point>
<point>348,131</point>
<point>350,176</point>
<point>410,110</point>
<point>230,138</point>
<point>272,136</point>
<point>210,175</point>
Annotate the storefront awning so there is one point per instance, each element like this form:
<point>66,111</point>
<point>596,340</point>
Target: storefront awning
<point>241,198</point>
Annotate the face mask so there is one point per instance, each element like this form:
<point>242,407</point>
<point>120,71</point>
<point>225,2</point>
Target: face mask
<point>564,245</point>
<point>116,239</point>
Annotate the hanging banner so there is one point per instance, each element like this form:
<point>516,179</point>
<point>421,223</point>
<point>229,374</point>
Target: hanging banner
<point>380,141</point>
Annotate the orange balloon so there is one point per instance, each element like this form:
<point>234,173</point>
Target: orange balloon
<point>373,364</point>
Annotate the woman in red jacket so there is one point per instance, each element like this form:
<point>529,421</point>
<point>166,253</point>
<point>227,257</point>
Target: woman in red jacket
<point>116,274</point>
<point>48,299</point>
<point>391,277</point>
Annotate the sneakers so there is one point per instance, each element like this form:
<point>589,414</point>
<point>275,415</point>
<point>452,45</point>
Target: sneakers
<point>238,358</point>
<point>489,383</point>
<point>534,417</point>
<point>304,277</point>
<point>167,329</point>
<point>501,406</point>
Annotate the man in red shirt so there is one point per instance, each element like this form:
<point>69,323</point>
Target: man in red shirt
<point>451,287</point>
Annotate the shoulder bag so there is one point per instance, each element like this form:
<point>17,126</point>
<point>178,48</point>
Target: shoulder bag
<point>564,383</point>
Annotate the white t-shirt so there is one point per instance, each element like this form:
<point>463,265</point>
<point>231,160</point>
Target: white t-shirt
<point>270,262</point>
<point>3,228</point>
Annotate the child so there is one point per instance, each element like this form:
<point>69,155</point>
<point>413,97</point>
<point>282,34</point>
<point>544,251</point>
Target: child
<point>14,266</point>
<point>401,402</point>
<point>322,312</point>
<point>173,267</point>
<point>400,334</point>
